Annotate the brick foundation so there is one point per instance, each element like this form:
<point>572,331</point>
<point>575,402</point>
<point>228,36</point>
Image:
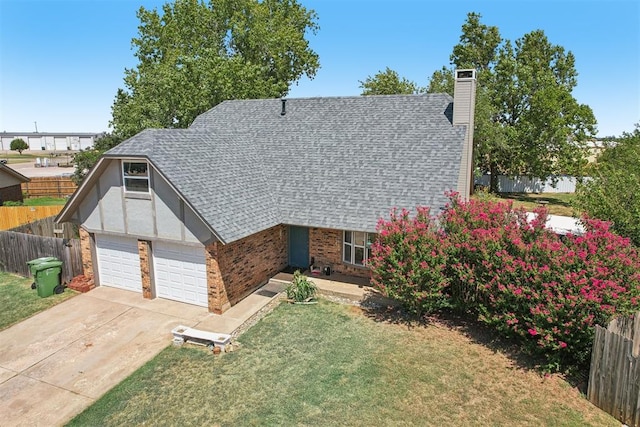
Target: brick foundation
<point>12,193</point>
<point>82,284</point>
<point>85,245</point>
<point>238,268</point>
<point>325,246</point>
<point>145,269</point>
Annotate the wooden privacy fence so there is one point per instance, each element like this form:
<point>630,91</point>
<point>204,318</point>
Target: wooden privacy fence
<point>18,248</point>
<point>47,227</point>
<point>14,216</point>
<point>52,186</point>
<point>614,376</point>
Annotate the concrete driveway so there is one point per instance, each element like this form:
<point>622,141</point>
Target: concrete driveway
<point>58,362</point>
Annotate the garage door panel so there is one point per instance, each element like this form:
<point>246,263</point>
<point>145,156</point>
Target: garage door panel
<point>118,262</point>
<point>180,273</point>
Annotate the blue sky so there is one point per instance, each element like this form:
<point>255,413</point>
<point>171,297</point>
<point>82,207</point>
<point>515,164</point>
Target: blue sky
<point>62,61</point>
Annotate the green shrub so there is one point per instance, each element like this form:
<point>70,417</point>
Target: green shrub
<point>409,262</point>
<point>515,275</point>
<point>301,289</point>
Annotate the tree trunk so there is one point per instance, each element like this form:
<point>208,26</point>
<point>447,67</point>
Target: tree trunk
<point>493,178</point>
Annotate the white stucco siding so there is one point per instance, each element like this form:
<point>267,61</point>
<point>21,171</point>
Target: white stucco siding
<point>111,199</point>
<point>140,217</point>
<point>89,213</point>
<point>168,206</point>
<point>195,230</point>
<point>160,214</point>
<point>7,180</point>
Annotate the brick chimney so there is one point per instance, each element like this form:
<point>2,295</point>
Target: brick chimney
<point>464,107</point>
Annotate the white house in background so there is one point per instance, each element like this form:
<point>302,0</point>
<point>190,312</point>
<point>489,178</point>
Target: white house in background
<point>48,141</point>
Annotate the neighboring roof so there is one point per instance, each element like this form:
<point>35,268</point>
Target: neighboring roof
<point>337,163</point>
<point>38,134</point>
<point>17,175</point>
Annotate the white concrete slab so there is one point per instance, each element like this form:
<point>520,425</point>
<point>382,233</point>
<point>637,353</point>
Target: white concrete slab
<point>28,402</point>
<point>158,305</point>
<point>6,374</point>
<point>98,361</point>
<point>42,335</point>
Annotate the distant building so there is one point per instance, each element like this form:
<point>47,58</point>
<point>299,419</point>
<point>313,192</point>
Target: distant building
<point>595,147</point>
<point>47,141</point>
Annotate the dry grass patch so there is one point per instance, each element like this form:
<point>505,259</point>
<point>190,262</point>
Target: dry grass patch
<point>329,364</point>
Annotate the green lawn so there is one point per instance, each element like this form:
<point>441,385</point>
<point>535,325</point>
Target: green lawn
<point>39,201</point>
<point>558,203</point>
<point>14,157</point>
<point>19,301</point>
<point>330,364</point>
<point>44,201</point>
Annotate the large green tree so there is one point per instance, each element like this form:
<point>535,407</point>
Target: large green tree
<point>18,145</point>
<point>388,82</point>
<point>195,54</point>
<point>527,120</point>
<point>612,193</point>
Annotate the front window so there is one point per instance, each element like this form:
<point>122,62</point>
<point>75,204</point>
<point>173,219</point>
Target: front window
<point>357,247</point>
<point>136,177</point>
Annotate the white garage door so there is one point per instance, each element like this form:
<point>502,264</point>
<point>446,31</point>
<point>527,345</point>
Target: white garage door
<point>60,143</point>
<point>119,262</point>
<point>180,273</point>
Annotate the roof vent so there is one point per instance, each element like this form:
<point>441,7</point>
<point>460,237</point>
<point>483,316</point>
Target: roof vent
<point>284,107</point>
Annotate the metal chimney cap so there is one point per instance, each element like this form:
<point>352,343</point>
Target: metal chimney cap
<point>466,74</point>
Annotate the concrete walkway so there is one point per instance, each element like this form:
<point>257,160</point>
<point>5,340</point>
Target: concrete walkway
<point>58,362</point>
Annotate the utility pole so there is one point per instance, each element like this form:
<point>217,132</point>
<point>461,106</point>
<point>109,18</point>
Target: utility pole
<point>36,125</point>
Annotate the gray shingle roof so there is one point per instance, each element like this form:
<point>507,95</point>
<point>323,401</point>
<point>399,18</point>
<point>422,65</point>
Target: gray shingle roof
<point>328,162</point>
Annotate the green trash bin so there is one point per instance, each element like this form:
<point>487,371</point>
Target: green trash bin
<point>32,264</point>
<point>48,278</point>
<point>37,261</point>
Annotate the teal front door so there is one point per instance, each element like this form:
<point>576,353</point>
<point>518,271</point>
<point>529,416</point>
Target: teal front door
<point>298,247</point>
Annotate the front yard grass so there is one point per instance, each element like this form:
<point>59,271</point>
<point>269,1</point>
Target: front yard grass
<point>330,364</point>
<point>18,301</point>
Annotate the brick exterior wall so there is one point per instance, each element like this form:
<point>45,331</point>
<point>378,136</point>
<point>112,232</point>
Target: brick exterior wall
<point>237,269</point>
<point>145,268</point>
<point>325,246</point>
<point>85,245</point>
<point>12,193</point>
